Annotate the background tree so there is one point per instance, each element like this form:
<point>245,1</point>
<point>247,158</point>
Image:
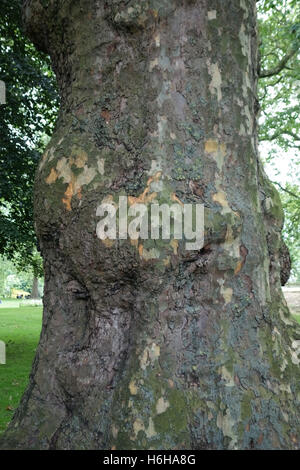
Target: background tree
<point>27,121</point>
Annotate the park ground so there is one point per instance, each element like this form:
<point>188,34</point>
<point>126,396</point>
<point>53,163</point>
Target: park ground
<point>20,326</point>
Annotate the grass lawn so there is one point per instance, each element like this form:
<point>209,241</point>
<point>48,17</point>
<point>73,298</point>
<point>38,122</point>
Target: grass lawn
<point>297,318</point>
<point>20,329</point>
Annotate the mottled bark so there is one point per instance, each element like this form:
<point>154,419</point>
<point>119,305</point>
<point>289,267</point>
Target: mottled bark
<point>150,346</point>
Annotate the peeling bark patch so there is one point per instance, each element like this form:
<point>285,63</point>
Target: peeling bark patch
<point>226,424</point>
<point>75,182</point>
<point>174,244</point>
<point>157,39</point>
<point>149,356</point>
<point>221,199</point>
<point>100,164</point>
<point>108,242</point>
<point>115,431</point>
<point>145,198</point>
<point>133,388</point>
<point>52,176</point>
<point>216,80</point>
<point>240,264</point>
<point>212,15</point>
<point>162,405</point>
<point>211,146</point>
<point>138,426</point>
<point>68,196</point>
<point>227,376</point>
<point>218,151</point>
<point>176,199</point>
<point>227,294</point>
<point>152,253</point>
<point>80,158</point>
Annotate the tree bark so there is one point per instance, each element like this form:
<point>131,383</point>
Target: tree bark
<point>147,345</point>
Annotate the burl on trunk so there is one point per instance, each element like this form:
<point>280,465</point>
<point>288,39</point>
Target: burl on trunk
<point>145,344</point>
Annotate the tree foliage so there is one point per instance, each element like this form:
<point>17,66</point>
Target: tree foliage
<point>26,119</point>
<point>279,87</point>
<point>291,206</point>
<point>279,95</point>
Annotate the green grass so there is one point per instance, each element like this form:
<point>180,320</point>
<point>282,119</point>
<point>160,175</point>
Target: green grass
<point>10,303</point>
<point>20,329</point>
<point>16,303</point>
<point>297,318</point>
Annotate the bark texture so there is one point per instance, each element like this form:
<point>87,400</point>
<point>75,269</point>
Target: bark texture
<point>146,345</point>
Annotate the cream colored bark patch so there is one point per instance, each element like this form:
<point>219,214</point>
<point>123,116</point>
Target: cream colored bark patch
<point>218,151</point>
<point>63,170</point>
<point>227,377</point>
<point>227,294</point>
<point>150,355</point>
<point>100,165</point>
<point>216,80</point>
<point>157,39</point>
<point>226,424</point>
<point>174,244</point>
<point>245,42</point>
<point>162,405</point>
<point>79,158</point>
<point>152,253</point>
<point>211,146</point>
<point>115,431</point>
<point>138,426</point>
<point>133,388</point>
<point>232,244</point>
<point>221,199</point>
<point>212,15</point>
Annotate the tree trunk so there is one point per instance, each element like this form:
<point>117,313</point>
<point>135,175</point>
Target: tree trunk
<point>146,345</point>
<point>35,288</point>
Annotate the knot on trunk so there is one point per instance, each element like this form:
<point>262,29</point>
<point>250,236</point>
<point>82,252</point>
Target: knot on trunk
<point>77,289</point>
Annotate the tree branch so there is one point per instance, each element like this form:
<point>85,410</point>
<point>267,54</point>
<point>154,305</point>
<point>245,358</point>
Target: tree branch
<point>286,190</point>
<point>280,66</point>
<point>278,134</point>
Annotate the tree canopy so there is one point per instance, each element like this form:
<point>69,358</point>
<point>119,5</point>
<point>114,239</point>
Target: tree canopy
<point>27,119</point>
